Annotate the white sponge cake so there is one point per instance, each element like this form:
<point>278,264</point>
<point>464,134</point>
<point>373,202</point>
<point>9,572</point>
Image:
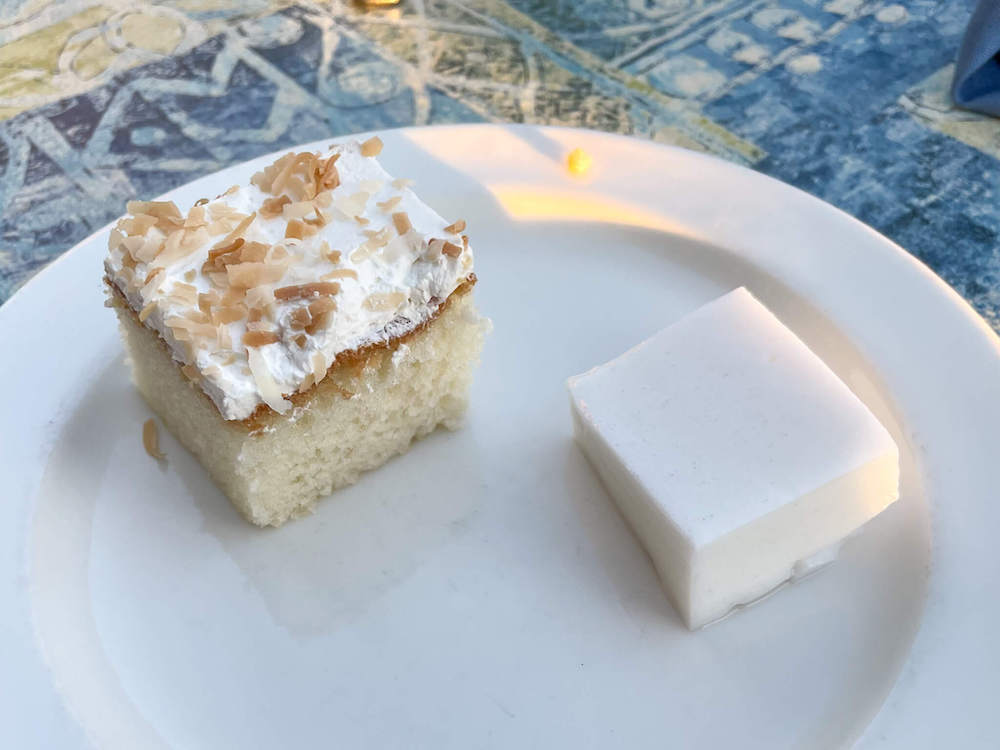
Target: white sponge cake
<point>299,330</point>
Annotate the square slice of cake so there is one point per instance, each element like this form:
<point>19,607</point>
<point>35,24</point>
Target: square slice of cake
<point>297,331</point>
<point>737,456</point>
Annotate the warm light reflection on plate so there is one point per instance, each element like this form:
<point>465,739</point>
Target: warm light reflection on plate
<point>530,204</point>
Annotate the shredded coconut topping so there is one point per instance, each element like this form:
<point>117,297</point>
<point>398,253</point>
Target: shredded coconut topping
<point>248,291</point>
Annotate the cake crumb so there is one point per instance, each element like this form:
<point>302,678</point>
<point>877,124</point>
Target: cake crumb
<point>372,147</point>
<point>151,440</point>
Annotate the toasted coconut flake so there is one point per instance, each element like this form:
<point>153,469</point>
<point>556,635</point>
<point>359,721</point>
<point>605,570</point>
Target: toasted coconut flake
<point>132,244</point>
<point>195,218</point>
<point>253,252</point>
<point>402,222</point>
<point>278,253</point>
<point>352,205</point>
<point>298,210</point>
<point>318,324</point>
<point>190,274</point>
<point>340,273</point>
<point>137,225</point>
<point>179,323</point>
<point>224,248</point>
<point>240,228</point>
<point>295,230</point>
<point>332,255</point>
<point>193,238</point>
<point>296,188</point>
<point>191,373</point>
<point>363,252</point>
<point>324,199</point>
<point>159,209</point>
<point>319,366</point>
<point>127,276</point>
<point>151,440</point>
<point>226,315</point>
<point>304,291</point>
<point>185,293</point>
<point>319,220</point>
<point>232,297</point>
<point>434,249</point>
<point>269,390</point>
<point>225,212</point>
<point>146,312</point>
<point>218,279</point>
<point>287,163</point>
<point>201,201</point>
<point>382,302</point>
<point>254,314</point>
<point>465,242</point>
<point>402,183</point>
<point>300,318</point>
<point>258,325</point>
<point>225,340</point>
<point>260,338</point>
<point>176,247</point>
<point>390,204</point>
<point>115,237</point>
<point>273,207</point>
<point>362,220</point>
<point>247,275</point>
<point>330,177</point>
<point>265,179</point>
<point>260,296</point>
<point>150,289</point>
<point>457,228</point>
<point>149,249</point>
<point>321,306</point>
<point>451,249</point>
<point>301,341</point>
<point>152,274</point>
<point>372,147</point>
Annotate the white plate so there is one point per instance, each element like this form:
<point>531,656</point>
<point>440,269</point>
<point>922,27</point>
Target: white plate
<point>482,591</point>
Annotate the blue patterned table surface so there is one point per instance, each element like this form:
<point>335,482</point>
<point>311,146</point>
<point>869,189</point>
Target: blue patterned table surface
<point>846,99</point>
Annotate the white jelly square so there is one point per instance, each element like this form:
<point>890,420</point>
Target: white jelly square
<point>737,456</point>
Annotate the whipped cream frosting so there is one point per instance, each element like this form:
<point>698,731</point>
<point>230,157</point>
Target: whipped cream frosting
<point>373,238</point>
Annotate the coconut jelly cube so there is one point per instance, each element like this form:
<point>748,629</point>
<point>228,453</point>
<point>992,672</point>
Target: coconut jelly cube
<point>739,459</point>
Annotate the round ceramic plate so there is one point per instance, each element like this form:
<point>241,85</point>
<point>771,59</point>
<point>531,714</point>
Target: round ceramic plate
<point>482,591</point>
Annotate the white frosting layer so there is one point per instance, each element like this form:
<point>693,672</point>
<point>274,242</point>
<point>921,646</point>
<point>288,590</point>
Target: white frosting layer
<point>415,281</point>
